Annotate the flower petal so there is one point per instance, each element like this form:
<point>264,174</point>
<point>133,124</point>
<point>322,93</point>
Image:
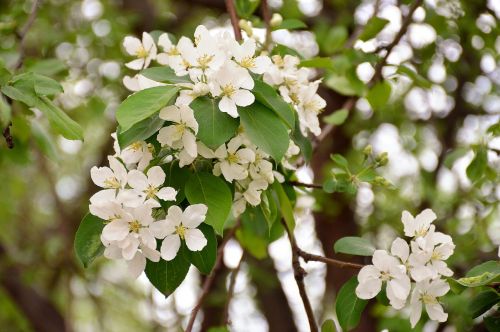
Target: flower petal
<point>170,247</point>
<point>195,239</point>
<point>194,215</point>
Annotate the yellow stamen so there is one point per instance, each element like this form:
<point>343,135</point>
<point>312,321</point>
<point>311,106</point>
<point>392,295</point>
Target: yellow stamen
<point>181,231</point>
<point>135,226</point>
<point>141,52</point>
<point>151,191</point>
<point>428,299</point>
<point>111,183</point>
<point>136,146</point>
<point>205,60</point>
<point>248,62</point>
<point>228,90</point>
<point>232,158</point>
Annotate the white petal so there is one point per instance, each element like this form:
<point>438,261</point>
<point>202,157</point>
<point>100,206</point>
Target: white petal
<point>368,289</point>
<point>156,176</point>
<point>195,239</point>
<point>115,230</point>
<point>228,106</point>
<point>194,215</point>
<point>131,45</point>
<point>243,98</point>
<point>400,249</point>
<point>137,180</point>
<point>436,312</point>
<point>399,287</point>
<point>368,272</point>
<point>171,113</point>
<point>167,194</point>
<point>189,142</point>
<point>416,312</point>
<point>147,238</point>
<point>170,247</point>
<point>136,64</point>
<point>151,254</point>
<point>136,265</point>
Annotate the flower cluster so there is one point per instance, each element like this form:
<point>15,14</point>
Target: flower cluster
<point>414,268</point>
<point>130,205</point>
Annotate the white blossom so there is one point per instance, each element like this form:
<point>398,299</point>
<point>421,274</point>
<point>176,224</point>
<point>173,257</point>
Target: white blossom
<point>149,188</point>
<point>419,225</point>
<point>170,52</point>
<point>426,293</point>
<point>144,51</point>
<point>112,177</point>
<point>233,161</point>
<point>244,55</point>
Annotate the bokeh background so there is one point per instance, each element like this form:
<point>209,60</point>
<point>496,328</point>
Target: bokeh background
<point>431,131</point>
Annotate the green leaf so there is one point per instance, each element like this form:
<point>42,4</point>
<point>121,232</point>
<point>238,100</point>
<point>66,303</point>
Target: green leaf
<point>140,131</point>
<point>269,209</point>
<point>214,127</point>
<point>214,192</point>
<point>164,75</point>
<point>477,167</point>
<point>348,306</point>
<point>347,85</point>
<point>218,329</point>
<point>454,155</point>
<point>285,206</point>
<point>335,39</point>
<point>176,177</point>
<point>88,245</point>
<point>60,120</point>
<point>291,24</point>
<point>44,141</point>
<point>302,141</point>
<point>42,85</point>
<point>340,160</point>
<point>166,276</point>
<point>489,266</point>
<point>47,67</point>
<point>414,76</point>
<point>268,96</point>
<point>245,8</point>
<point>204,259</point>
<point>253,234</point>
<point>318,62</point>
<point>479,280</point>
<point>372,28</point>
<point>5,112</point>
<point>337,118</point>
<point>492,323</point>
<point>143,104</point>
<point>354,245</point>
<point>25,96</point>
<point>482,302</point>
<point>328,326</point>
<point>494,129</point>
<point>283,50</point>
<point>265,129</point>
<point>379,95</point>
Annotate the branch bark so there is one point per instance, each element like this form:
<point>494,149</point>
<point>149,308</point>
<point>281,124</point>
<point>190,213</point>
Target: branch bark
<point>330,261</point>
<point>230,292</point>
<point>234,19</point>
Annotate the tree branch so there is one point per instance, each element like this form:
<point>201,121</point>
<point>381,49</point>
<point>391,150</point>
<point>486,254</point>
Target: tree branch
<point>299,275</point>
<point>208,283</point>
<point>230,291</point>
<point>305,185</point>
<point>234,19</point>
<point>266,16</point>
<point>24,31</point>
<point>330,261</point>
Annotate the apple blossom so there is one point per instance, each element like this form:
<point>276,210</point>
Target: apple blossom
<point>144,51</point>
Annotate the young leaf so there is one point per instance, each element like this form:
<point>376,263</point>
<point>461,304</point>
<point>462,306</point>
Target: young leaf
<point>266,94</point>
<point>140,131</point>
<point>291,24</point>
<point>265,129</point>
<point>340,160</point>
<point>379,95</point>
<point>348,306</point>
<point>164,75</point>
<point>302,142</point>
<point>215,127</point>
<point>204,259</point>
<point>283,50</point>
<point>494,129</point>
<point>337,118</point>
<point>284,205</point>
<point>60,120</point>
<point>245,8</point>
<point>166,276</point>
<point>477,167</point>
<point>143,104</point>
<point>354,246</point>
<point>335,39</point>
<point>482,302</point>
<point>212,191</point>
<point>319,62</point>
<point>88,243</point>
<point>372,28</point>
<point>42,85</point>
<point>347,85</point>
<point>489,266</point>
<point>414,76</point>
<point>328,326</point>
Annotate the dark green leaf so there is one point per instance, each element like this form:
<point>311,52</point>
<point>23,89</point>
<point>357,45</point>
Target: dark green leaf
<point>477,167</point>
<point>489,266</point>
<point>354,246</point>
<point>166,276</point>
<point>204,260</point>
<point>245,8</point>
<point>337,118</point>
<point>482,302</point>
<point>140,131</point>
<point>215,127</point>
<point>176,178</point>
<point>348,306</point>
<point>291,24</point>
<point>265,129</point>
<point>494,129</point>
<point>88,243</point>
<point>372,28</point>
<point>492,323</point>
<point>212,191</point>
<point>267,95</point>
<point>143,104</point>
<point>164,74</point>
<point>379,95</point>
<point>414,76</point>
<point>302,141</point>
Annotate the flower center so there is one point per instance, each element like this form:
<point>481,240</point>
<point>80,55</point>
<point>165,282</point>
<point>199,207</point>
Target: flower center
<point>173,51</point>
<point>248,62</point>
<point>290,81</point>
<point>421,232</point>
<point>141,52</point>
<point>112,183</point>
<point>385,276</point>
<point>136,146</point>
<point>181,231</point>
<point>205,60</point>
<point>436,255</point>
<point>180,128</point>
<point>134,226</point>
<point>428,299</point>
<point>228,90</point>
<point>151,191</point>
<point>232,158</point>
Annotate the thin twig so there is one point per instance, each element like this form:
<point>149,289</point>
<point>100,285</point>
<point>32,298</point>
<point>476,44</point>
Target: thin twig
<point>299,274</point>
<point>266,16</point>
<point>8,136</point>
<point>330,261</point>
<point>24,31</point>
<point>208,283</point>
<point>234,19</point>
<point>349,104</point>
<point>230,291</point>
<point>305,185</point>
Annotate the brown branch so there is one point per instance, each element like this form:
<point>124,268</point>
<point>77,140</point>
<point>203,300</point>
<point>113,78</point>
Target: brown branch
<point>234,19</point>
<point>266,16</point>
<point>230,291</point>
<point>24,31</point>
<point>351,102</point>
<point>330,261</point>
<point>8,136</point>
<point>305,185</point>
<point>299,274</point>
<point>208,283</point>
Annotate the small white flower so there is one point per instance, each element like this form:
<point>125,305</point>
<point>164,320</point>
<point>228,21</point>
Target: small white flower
<point>136,155</point>
<point>144,51</point>
<point>415,267</point>
<point>171,53</point>
<point>426,293</point>
<point>232,84</point>
<point>181,134</point>
<point>385,268</point>
<point>233,161</point>
<point>244,56</point>
<point>148,188</point>
<point>310,105</point>
<point>137,264</point>
<point>419,225</point>
<point>193,91</point>
<point>179,225</point>
<point>431,251</point>
<point>112,177</point>
<point>261,168</point>
<point>254,191</point>
<point>139,82</point>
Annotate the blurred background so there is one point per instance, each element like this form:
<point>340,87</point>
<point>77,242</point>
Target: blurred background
<point>432,127</point>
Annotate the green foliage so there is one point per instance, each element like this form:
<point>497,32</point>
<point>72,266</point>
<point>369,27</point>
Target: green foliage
<point>291,24</point>
<point>482,302</point>
<point>372,28</point>
<point>337,118</point>
<point>334,39</point>
<point>88,244</point>
<point>477,168</point>
<point>284,205</point>
<point>265,129</point>
<point>164,75</point>
<point>379,95</point>
<point>143,104</point>
<point>214,127</point>
<point>140,131</point>
<point>328,326</point>
<point>245,8</point>
<point>348,306</point>
<point>213,192</point>
<point>267,96</point>
<point>204,259</point>
<point>354,245</point>
<point>347,85</point>
<point>414,76</point>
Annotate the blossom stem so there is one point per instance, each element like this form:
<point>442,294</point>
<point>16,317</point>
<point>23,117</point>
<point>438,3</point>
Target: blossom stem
<point>234,19</point>
<point>305,185</point>
<point>230,292</point>
<point>299,274</point>
<point>330,261</point>
<point>209,281</point>
<point>266,16</point>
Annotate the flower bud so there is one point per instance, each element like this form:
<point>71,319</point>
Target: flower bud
<point>247,27</point>
<point>367,150</point>
<point>382,159</point>
<point>276,20</point>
